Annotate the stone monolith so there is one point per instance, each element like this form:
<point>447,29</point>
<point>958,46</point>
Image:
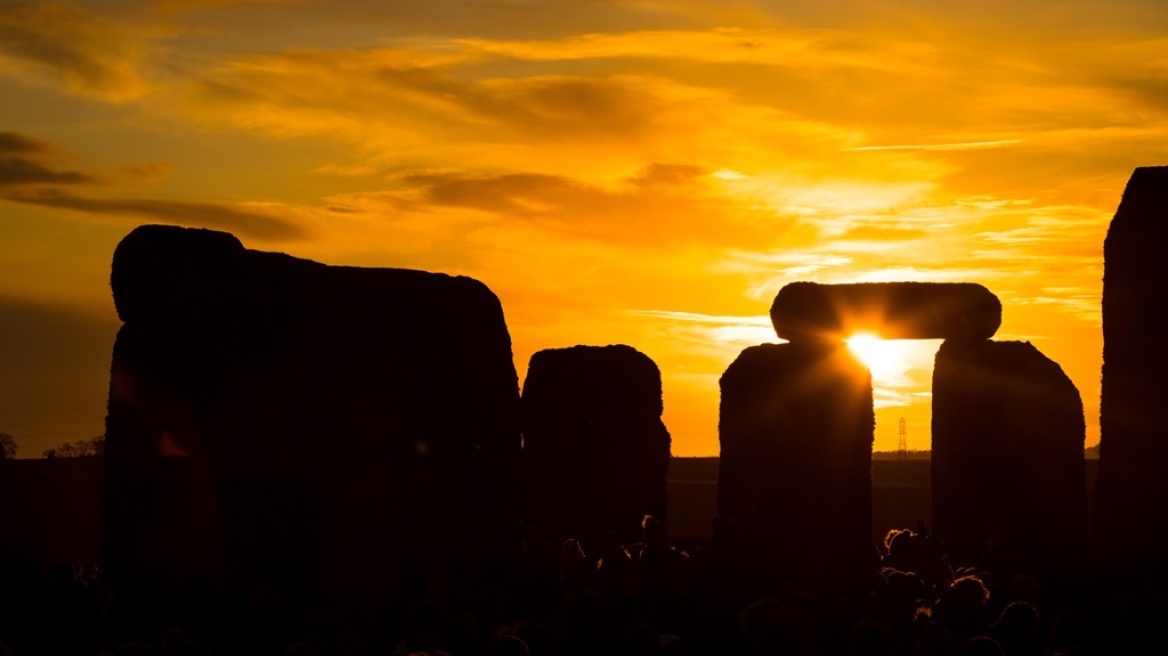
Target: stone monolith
<point>315,429</point>
<point>796,426</point>
<point>1008,461</point>
<point>595,451</point>
<point>1130,523</point>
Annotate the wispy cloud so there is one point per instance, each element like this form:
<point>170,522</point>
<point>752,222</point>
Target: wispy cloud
<point>254,220</point>
<point>28,175</point>
<point>26,161</point>
<point>696,317</point>
<point>659,206</point>
<point>14,143</point>
<point>87,52</point>
<point>715,337</point>
<point>969,145</point>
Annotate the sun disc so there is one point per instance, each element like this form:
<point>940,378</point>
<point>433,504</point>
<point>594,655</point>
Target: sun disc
<point>877,354</point>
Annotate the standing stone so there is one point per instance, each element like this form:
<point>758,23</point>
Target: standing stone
<point>595,451</point>
<point>1008,435</point>
<point>1130,527</point>
<point>796,425</point>
<point>275,421</point>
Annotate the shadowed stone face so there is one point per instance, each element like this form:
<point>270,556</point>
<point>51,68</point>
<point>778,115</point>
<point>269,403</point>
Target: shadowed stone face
<point>796,425</point>
<point>330,418</point>
<point>595,450</point>
<point>892,310</point>
<point>1008,435</point>
<point>1130,527</point>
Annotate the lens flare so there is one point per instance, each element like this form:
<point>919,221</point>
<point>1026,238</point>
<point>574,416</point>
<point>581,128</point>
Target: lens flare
<point>883,358</point>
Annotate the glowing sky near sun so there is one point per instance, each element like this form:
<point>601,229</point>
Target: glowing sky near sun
<point>627,171</point>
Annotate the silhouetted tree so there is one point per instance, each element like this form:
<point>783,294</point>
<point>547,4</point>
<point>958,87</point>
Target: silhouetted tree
<point>92,447</point>
<point>96,445</point>
<point>8,446</point>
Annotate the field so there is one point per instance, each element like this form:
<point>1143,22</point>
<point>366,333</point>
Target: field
<point>900,494</point>
<point>52,508</point>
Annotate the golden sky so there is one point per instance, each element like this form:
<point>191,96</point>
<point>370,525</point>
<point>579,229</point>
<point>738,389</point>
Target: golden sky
<point>617,171</point>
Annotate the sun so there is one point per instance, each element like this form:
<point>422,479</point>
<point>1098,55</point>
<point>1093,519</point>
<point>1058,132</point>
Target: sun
<point>884,358</point>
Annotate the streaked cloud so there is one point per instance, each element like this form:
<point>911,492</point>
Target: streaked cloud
<point>254,220</point>
<point>14,143</point>
<point>145,173</point>
<point>969,145</point>
<point>86,52</point>
<point>26,161</point>
<point>695,317</point>
<point>658,206</point>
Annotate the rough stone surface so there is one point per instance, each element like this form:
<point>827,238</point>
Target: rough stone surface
<point>892,310</point>
<point>595,450</point>
<point>1008,435</point>
<point>796,426</point>
<point>318,429</point>
<point>1130,524</point>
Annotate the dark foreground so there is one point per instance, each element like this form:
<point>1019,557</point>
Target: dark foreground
<point>699,593</point>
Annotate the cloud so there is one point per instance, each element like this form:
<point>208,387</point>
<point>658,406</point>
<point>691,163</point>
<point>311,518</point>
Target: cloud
<point>190,5</point>
<point>658,206</point>
<point>883,234</point>
<point>261,221</point>
<point>19,171</point>
<point>87,52</point>
<point>145,173</point>
<point>969,145</point>
<point>395,99</point>
<point>25,161</point>
<point>1017,247</point>
<point>697,317</point>
<point>14,143</point>
<point>716,338</point>
<point>27,176</point>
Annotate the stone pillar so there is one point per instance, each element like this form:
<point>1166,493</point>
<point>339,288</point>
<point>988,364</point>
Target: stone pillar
<point>1008,435</point>
<point>1130,523</point>
<point>795,426</point>
<point>595,451</point>
<point>309,427</point>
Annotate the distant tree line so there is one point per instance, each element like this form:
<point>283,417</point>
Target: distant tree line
<point>1091,453</point>
<point>90,448</point>
<point>911,454</point>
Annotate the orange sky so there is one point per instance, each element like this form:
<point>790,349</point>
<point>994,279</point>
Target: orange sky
<point>637,172</point>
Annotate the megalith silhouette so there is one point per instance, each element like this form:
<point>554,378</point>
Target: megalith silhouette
<point>892,310</point>
<point>797,420</point>
<point>595,451</point>
<point>1130,523</point>
<point>795,426</point>
<point>1007,460</point>
<point>306,427</point>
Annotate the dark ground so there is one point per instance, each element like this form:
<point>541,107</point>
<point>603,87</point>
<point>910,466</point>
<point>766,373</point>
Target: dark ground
<point>51,509</point>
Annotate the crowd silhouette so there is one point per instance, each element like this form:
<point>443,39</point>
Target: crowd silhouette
<point>654,595</point>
